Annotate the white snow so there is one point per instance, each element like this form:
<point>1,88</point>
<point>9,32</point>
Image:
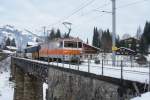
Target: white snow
<point>6,87</point>
<point>32,43</point>
<point>11,47</point>
<point>145,96</point>
<point>45,87</point>
<point>7,51</point>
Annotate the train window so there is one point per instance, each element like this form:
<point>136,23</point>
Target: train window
<point>70,44</point>
<point>79,45</point>
<point>61,44</point>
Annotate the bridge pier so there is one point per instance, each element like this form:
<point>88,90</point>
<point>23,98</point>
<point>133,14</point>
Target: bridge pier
<point>19,84</point>
<point>12,70</point>
<point>27,87</point>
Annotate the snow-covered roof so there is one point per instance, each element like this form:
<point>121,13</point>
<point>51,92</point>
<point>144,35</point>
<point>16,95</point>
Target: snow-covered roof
<point>127,49</point>
<point>145,96</point>
<point>7,51</point>
<point>31,49</point>
<point>92,46</point>
<point>68,39</point>
<point>32,43</point>
<point>11,47</point>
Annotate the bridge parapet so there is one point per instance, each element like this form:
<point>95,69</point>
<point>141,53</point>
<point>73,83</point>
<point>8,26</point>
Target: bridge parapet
<point>36,69</point>
<point>73,80</point>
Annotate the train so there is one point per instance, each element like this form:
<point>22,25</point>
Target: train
<point>58,49</point>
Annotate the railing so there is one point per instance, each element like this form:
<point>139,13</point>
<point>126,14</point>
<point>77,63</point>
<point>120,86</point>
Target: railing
<point>122,70</point>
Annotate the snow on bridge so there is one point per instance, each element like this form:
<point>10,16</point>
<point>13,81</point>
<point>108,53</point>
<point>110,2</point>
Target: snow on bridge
<point>138,74</point>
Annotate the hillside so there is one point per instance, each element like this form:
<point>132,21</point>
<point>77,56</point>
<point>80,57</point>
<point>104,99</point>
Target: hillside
<point>21,37</point>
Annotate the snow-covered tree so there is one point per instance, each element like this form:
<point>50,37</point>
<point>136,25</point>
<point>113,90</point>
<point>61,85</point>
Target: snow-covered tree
<point>139,33</point>
<point>126,35</point>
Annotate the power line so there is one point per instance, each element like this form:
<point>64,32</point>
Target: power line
<point>133,3</point>
<point>85,4</point>
<point>104,5</point>
<point>123,6</point>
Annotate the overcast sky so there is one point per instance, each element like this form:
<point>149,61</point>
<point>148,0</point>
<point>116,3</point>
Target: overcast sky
<point>34,14</point>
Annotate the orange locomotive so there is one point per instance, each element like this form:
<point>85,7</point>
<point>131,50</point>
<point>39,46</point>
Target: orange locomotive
<point>61,50</point>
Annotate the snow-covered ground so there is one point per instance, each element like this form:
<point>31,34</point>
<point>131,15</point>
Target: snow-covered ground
<point>6,87</point>
<point>145,96</point>
<point>7,51</point>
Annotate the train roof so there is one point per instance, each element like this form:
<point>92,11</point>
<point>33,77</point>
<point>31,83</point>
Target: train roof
<point>68,39</point>
<point>32,49</point>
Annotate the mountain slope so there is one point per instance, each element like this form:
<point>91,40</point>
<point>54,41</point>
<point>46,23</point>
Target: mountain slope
<point>21,37</point>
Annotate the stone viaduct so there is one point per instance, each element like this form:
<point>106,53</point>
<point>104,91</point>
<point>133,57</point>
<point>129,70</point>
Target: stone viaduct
<point>66,84</point>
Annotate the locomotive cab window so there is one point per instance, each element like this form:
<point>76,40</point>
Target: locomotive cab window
<point>61,44</point>
<point>79,45</point>
<point>70,44</point>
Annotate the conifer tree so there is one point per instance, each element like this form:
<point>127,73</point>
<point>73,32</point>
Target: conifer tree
<point>58,34</point>
<point>145,38</point>
<point>87,41</point>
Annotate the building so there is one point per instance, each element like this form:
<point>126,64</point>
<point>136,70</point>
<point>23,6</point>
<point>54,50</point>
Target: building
<point>89,52</point>
<point>131,43</point>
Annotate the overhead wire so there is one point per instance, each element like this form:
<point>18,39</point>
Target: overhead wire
<point>83,5</point>
<point>119,7</point>
<point>130,4</point>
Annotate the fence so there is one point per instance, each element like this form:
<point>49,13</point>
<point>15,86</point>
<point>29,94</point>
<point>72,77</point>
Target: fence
<point>105,67</point>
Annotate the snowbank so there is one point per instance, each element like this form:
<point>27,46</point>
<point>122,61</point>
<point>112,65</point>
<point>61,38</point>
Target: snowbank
<point>32,43</point>
<point>6,87</point>
<point>45,87</point>
<point>11,47</point>
<point>145,96</point>
<point>7,51</point>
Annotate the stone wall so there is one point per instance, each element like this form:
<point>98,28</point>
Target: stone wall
<point>27,87</point>
<point>68,86</point>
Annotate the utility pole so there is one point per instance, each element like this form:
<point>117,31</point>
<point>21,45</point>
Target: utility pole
<point>44,30</point>
<point>113,30</point>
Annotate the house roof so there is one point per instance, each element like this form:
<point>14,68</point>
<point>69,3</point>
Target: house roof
<point>129,39</point>
<point>32,49</point>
